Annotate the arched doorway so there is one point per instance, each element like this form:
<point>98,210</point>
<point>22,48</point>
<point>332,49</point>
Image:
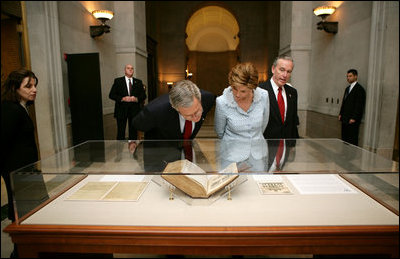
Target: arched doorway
<point>212,40</point>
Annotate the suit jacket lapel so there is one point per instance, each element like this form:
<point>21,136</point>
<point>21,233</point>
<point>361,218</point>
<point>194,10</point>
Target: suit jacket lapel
<point>289,104</point>
<point>176,124</point>
<point>355,89</point>
<point>125,86</point>
<point>197,126</point>
<point>346,92</point>
<point>274,108</point>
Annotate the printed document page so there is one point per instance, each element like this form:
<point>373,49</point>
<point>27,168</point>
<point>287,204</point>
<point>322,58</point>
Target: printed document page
<point>320,184</point>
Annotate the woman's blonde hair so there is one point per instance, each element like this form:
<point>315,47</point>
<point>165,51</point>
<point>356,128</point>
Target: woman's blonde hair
<point>244,74</point>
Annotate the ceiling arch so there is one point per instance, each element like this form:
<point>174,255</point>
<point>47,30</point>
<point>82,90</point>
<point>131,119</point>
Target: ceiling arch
<point>212,29</point>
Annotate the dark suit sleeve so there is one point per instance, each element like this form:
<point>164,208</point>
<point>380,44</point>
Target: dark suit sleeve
<point>141,93</point>
<point>9,124</point>
<point>342,107</point>
<point>208,101</point>
<point>263,85</point>
<point>145,120</point>
<point>295,118</point>
<point>18,146</point>
<point>114,93</point>
<point>359,104</point>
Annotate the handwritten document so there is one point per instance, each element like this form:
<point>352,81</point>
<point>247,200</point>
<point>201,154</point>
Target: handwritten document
<point>110,190</point>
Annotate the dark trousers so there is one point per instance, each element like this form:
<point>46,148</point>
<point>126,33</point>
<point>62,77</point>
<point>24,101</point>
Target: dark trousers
<point>350,133</point>
<point>121,125</point>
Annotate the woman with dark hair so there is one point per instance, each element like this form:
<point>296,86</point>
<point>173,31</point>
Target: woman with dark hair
<point>18,147</point>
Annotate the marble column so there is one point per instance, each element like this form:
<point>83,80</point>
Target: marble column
<point>130,32</point>
<point>382,91</point>
<point>45,55</point>
<point>295,41</point>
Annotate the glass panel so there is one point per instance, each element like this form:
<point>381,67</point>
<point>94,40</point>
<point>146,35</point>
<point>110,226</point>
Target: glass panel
<point>38,184</point>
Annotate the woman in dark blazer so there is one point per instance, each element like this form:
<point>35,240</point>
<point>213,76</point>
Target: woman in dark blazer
<point>18,146</point>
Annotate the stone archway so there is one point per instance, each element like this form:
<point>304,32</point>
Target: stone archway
<point>212,42</point>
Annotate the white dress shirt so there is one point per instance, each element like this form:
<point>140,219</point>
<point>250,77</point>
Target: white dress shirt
<point>275,88</point>
<point>127,84</point>
<point>352,86</point>
<point>182,123</point>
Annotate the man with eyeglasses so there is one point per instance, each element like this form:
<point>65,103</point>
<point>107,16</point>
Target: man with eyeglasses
<point>166,116</point>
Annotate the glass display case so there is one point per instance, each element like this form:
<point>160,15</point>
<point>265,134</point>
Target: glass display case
<point>298,191</point>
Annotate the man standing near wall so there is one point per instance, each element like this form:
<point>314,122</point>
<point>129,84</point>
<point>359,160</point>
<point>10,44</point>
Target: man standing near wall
<point>352,108</point>
<point>128,94</point>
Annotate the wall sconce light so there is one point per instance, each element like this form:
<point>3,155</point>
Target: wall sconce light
<point>188,74</point>
<point>323,12</point>
<point>102,16</point>
<point>170,84</point>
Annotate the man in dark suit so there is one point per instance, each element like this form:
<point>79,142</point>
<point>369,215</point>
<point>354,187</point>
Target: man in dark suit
<point>174,116</point>
<point>283,118</point>
<point>352,108</point>
<point>166,116</point>
<point>128,93</point>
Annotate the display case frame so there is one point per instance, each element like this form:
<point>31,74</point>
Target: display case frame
<point>281,230</point>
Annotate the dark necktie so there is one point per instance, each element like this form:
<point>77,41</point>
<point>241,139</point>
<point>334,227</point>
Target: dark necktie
<point>347,92</point>
<point>279,155</point>
<point>281,104</point>
<point>187,144</point>
<point>130,87</point>
<point>187,132</point>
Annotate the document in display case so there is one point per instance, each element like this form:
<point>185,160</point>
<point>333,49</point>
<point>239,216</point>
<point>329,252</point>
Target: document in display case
<point>100,197</point>
<point>109,191</point>
<point>226,191</point>
<point>192,180</point>
<point>272,184</point>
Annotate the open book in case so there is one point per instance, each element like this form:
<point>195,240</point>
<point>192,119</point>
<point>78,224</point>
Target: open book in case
<point>193,185</point>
